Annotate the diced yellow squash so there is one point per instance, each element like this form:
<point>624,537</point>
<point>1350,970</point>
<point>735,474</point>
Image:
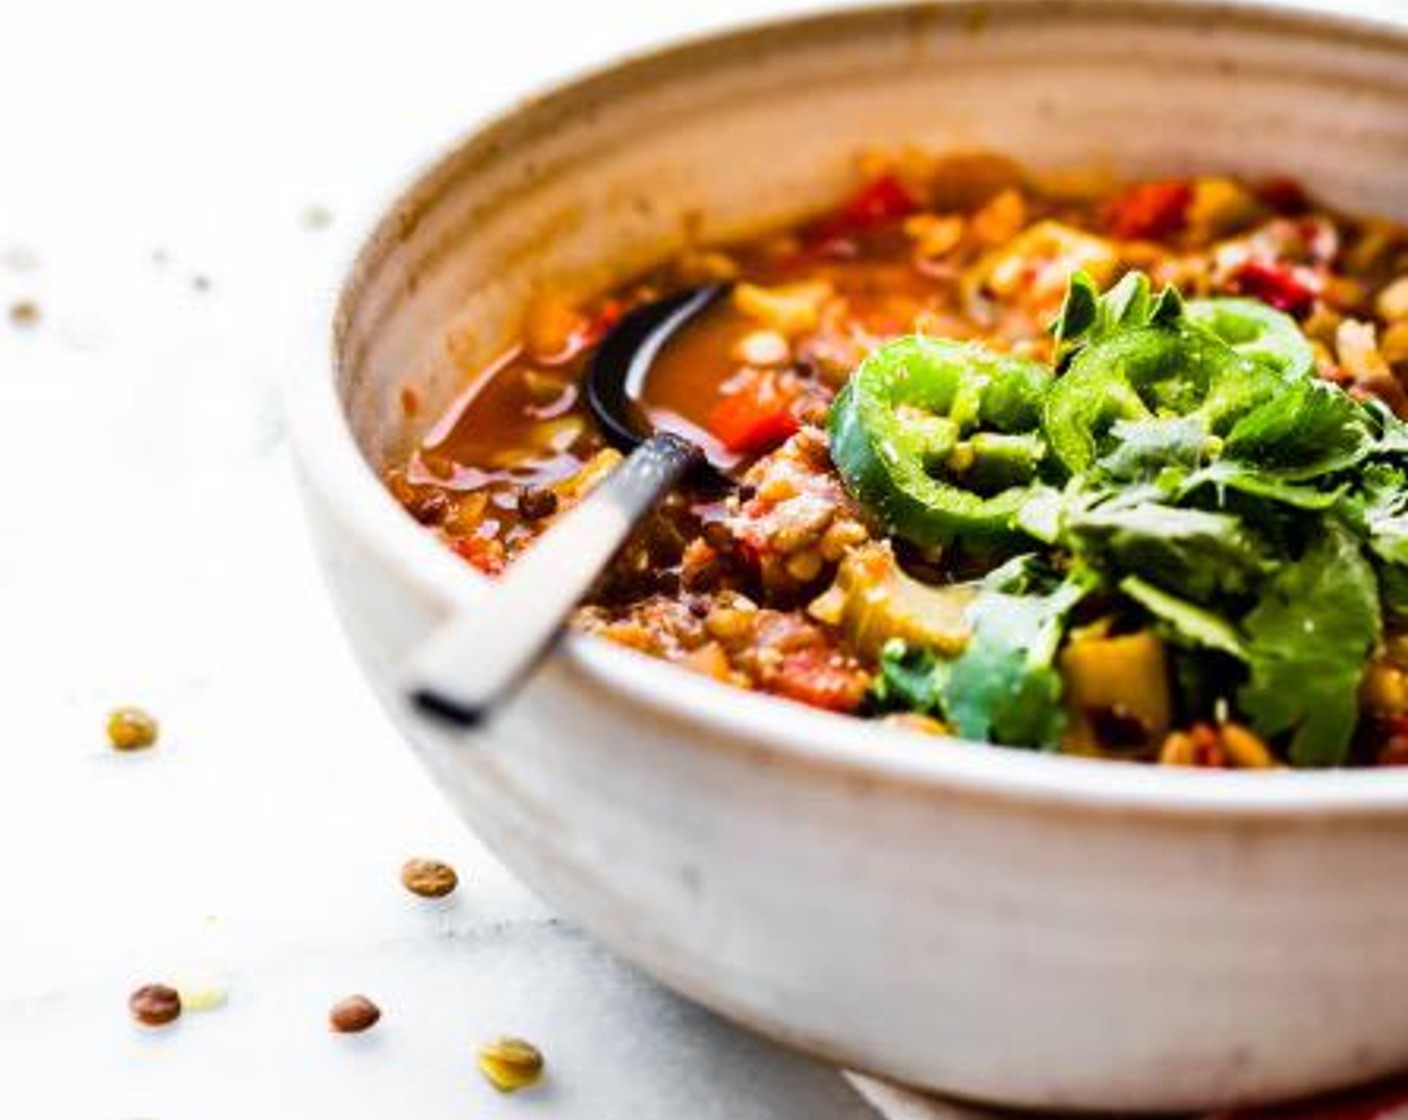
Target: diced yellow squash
<point>1125,676</point>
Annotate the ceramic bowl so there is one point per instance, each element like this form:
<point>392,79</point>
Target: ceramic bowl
<point>1037,931</point>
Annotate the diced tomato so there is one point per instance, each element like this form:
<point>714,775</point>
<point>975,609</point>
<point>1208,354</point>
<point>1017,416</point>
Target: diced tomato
<point>821,678</point>
<point>1207,746</point>
<point>1278,285</point>
<point>756,418</point>
<point>485,553</point>
<point>1283,195</point>
<point>880,201</point>
<point>1149,211</point>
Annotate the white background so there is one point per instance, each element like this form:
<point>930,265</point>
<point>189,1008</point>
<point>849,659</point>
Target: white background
<point>151,552</point>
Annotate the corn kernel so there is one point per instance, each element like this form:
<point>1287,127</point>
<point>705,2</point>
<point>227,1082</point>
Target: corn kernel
<point>1392,301</point>
<point>789,309</point>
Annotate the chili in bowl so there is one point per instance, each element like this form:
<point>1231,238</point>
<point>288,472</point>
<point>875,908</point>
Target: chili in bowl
<point>1037,455</point>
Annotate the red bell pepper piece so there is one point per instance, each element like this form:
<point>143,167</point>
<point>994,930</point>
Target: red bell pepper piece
<point>1149,211</point>
<point>819,677</point>
<point>1278,285</point>
<point>756,417</point>
<point>485,553</point>
<point>880,201</point>
<point>610,314</point>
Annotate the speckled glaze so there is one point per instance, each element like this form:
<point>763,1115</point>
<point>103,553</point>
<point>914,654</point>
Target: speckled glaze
<point>1041,932</point>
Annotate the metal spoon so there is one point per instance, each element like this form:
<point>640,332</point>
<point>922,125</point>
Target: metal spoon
<point>478,658</point>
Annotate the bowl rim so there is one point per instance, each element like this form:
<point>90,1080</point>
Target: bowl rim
<point>331,463</point>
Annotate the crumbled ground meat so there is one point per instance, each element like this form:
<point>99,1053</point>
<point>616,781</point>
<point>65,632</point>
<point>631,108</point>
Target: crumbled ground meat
<point>797,520</point>
<point>659,625</point>
<point>727,636</point>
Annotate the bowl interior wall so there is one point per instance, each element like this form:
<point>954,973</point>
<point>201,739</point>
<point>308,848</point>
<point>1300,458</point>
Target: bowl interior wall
<point>712,141</point>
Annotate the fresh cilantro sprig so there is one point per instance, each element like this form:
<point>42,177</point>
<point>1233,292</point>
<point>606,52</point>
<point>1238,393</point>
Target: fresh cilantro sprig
<point>1307,641</point>
<point>1266,552</point>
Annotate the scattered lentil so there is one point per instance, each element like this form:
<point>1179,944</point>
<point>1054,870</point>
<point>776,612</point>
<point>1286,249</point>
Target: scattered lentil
<point>429,878</point>
<point>155,1005</point>
<point>353,1015</point>
<point>131,729</point>
<point>201,992</point>
<point>510,1064</point>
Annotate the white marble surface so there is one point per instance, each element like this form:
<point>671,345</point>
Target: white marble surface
<point>151,552</point>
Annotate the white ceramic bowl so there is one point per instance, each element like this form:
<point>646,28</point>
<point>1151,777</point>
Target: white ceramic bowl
<point>1005,926</point>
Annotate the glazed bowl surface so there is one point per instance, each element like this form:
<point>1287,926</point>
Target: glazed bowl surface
<point>1042,932</point>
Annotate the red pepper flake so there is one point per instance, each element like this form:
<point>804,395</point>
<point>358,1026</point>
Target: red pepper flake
<point>1279,285</point>
<point>1149,211</point>
<point>757,417</point>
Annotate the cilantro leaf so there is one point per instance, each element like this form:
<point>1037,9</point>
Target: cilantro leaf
<point>1307,641</point>
<point>1224,474</point>
<point>1146,447</point>
<point>1311,428</point>
<point>1188,623</point>
<point>1392,432</point>
<point>1004,688</point>
<point>1380,512</point>
<point>909,680</point>
<point>1192,552</point>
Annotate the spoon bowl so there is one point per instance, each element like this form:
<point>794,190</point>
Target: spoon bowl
<point>619,370</point>
<point>482,655</point>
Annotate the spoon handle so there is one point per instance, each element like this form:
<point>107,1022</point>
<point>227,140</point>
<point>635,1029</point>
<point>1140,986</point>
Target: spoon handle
<point>483,653</point>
